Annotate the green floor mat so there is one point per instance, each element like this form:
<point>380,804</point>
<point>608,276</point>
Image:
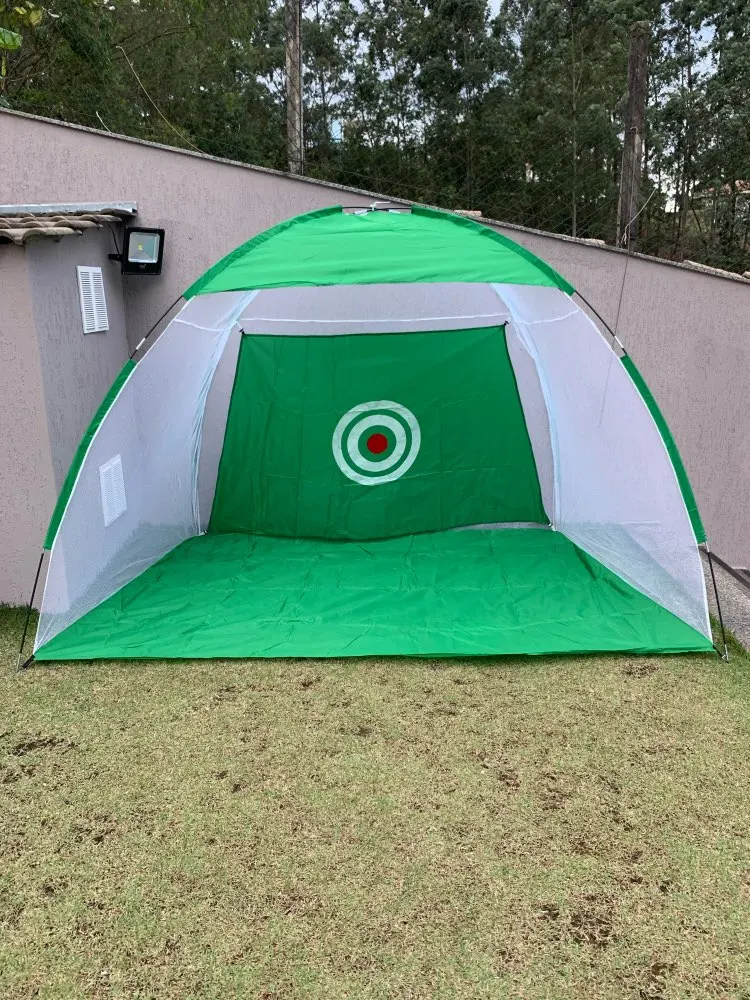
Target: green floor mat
<point>474,592</point>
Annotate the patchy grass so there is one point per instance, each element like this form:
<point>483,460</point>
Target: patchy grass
<point>541,829</point>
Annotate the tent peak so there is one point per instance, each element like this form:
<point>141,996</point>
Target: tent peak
<point>376,245</point>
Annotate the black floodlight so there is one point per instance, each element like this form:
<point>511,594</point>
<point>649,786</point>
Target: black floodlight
<point>142,252</point>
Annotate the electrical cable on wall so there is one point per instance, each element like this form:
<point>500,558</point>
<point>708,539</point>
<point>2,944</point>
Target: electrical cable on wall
<point>156,106</point>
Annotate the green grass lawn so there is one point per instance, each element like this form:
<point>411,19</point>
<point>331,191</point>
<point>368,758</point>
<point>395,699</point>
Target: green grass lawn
<point>541,829</point>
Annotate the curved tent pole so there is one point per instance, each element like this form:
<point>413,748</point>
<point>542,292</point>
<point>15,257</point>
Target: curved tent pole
<point>23,665</point>
<point>704,545</point>
<point>603,321</point>
<point>143,340</point>
<point>627,239</point>
<point>379,206</point>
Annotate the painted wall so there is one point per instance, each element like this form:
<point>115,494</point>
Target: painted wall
<point>207,206</point>
<point>687,331</point>
<point>77,370</point>
<point>27,492</point>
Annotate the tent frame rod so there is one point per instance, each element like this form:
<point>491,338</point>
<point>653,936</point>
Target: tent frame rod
<point>143,340</point>
<point>26,663</point>
<point>704,545</point>
<point>22,666</point>
<point>725,655</point>
<point>603,321</point>
<point>378,206</point>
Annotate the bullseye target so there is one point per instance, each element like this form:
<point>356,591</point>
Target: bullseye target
<point>376,442</point>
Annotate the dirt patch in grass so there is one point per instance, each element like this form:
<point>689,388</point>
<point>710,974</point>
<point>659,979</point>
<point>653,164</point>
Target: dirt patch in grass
<point>548,829</point>
<point>592,922</point>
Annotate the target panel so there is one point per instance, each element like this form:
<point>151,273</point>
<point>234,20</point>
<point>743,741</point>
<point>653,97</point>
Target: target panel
<point>374,436</point>
<point>376,442</point>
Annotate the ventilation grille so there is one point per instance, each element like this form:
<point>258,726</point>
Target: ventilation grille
<point>113,490</point>
<point>93,303</point>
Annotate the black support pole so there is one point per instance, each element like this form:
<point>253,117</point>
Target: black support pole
<point>163,316</point>
<point>21,666</point>
<point>718,604</point>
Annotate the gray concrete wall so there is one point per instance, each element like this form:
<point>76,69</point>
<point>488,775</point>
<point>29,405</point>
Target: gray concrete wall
<point>77,369</point>
<point>687,331</point>
<point>27,488</point>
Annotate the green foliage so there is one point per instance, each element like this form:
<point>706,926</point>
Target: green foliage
<point>10,40</point>
<point>15,22</point>
<point>515,109</point>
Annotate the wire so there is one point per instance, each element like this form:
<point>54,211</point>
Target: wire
<point>158,110</point>
<point>626,232</point>
<point>114,240</point>
<point>626,235</point>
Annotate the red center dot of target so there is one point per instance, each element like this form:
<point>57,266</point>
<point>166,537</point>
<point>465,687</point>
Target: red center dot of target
<point>377,443</point>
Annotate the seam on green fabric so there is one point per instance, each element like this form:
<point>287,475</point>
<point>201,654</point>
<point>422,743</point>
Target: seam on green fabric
<point>80,452</point>
<point>252,244</point>
<point>223,458</point>
<point>505,241</point>
<point>670,444</point>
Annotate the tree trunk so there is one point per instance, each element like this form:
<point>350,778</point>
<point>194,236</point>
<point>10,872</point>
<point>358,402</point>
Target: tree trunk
<point>293,25</point>
<point>635,127</point>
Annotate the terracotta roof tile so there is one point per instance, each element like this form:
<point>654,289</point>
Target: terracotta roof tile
<point>20,228</point>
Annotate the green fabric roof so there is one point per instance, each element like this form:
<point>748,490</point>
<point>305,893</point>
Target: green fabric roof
<point>332,247</point>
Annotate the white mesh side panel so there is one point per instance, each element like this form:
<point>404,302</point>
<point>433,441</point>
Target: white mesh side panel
<point>215,424</point>
<point>154,428</point>
<point>536,416</point>
<point>617,494</point>
<point>215,311</point>
<point>393,308</point>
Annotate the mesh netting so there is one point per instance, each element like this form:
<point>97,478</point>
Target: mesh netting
<point>135,497</point>
<point>616,494</point>
<point>361,309</point>
<point>607,481</point>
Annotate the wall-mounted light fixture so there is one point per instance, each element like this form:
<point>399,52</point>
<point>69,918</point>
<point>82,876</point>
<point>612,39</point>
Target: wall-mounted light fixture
<point>142,251</point>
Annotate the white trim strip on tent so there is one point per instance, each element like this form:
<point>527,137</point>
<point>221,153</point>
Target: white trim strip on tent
<point>367,319</point>
<point>365,309</point>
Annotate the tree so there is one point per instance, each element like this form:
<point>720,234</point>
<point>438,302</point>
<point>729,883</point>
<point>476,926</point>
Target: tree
<point>518,113</point>
<point>726,158</point>
<point>15,23</point>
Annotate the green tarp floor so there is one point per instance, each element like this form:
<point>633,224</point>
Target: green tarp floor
<point>474,592</point>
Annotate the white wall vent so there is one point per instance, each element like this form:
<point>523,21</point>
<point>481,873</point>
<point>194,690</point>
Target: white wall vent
<point>113,490</point>
<point>93,303</point>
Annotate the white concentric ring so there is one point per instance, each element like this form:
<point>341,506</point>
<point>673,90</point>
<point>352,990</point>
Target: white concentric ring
<point>377,420</point>
<point>377,413</point>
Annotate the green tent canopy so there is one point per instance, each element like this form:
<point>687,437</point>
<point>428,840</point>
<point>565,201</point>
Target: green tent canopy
<point>332,247</point>
<point>375,433</point>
